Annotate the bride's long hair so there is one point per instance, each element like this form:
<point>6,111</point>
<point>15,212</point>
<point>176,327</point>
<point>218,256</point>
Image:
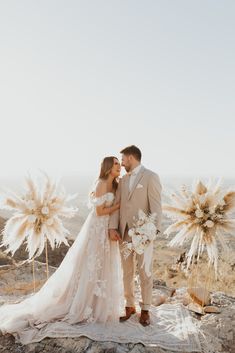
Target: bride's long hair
<point>105,169</point>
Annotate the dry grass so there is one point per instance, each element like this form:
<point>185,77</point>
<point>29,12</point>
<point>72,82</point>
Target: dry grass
<point>167,269</point>
<point>23,288</point>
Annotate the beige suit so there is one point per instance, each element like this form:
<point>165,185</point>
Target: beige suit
<point>145,194</point>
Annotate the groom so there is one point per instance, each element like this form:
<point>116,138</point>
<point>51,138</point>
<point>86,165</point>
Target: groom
<point>139,189</point>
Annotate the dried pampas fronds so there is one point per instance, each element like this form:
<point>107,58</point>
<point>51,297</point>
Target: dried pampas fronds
<point>202,217</point>
<point>37,217</point>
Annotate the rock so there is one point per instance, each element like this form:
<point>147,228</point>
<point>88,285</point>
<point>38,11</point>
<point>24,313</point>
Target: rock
<point>159,282</point>
<point>181,259</point>
<point>196,308</point>
<point>167,291</point>
<point>6,260</point>
<point>172,271</point>
<point>158,300</point>
<point>217,329</point>
<point>186,300</point>
<point>54,256</point>
<point>220,299</point>
<point>211,309</point>
<point>17,279</point>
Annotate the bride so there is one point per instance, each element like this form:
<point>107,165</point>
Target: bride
<point>87,286</point>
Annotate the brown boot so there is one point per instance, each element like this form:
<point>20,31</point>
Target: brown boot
<point>129,311</point>
<point>145,318</point>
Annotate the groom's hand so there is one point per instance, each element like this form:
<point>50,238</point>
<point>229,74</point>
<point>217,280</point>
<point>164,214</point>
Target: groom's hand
<point>114,235</point>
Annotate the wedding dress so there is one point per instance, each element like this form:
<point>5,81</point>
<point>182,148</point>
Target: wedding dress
<point>87,286</point>
<point>84,297</point>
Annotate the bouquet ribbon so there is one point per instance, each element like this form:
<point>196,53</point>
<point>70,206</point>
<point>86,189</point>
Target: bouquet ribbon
<point>147,260</point>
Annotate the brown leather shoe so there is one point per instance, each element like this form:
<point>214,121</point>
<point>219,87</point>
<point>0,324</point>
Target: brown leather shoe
<point>144,318</point>
<point>129,311</point>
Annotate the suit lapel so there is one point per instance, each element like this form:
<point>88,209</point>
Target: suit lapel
<point>137,179</point>
<point>125,187</point>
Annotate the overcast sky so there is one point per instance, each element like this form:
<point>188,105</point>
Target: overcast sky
<point>82,79</point>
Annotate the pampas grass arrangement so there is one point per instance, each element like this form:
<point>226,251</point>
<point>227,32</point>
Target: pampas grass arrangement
<point>202,218</point>
<point>37,217</point>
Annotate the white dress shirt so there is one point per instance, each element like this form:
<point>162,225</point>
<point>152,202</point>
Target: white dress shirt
<point>133,174</point>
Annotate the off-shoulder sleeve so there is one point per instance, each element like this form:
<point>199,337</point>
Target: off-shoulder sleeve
<point>98,201</point>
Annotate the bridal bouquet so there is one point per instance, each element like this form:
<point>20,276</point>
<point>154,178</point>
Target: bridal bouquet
<point>36,217</point>
<point>142,235</point>
<point>202,216</point>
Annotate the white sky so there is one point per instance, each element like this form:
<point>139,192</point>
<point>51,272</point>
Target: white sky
<point>82,79</point>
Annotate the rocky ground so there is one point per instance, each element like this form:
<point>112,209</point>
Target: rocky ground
<point>73,345</point>
<point>218,330</point>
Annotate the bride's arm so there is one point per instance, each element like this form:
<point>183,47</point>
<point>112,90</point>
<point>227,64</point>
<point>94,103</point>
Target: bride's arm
<point>101,210</point>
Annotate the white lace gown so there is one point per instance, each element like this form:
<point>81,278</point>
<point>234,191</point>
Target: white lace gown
<point>86,288</point>
<point>84,296</point>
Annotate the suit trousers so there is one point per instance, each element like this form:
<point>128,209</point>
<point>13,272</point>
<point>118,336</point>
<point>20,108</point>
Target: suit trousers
<point>129,271</point>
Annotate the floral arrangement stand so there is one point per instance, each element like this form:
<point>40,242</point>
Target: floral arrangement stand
<point>202,218</point>
<point>36,218</point>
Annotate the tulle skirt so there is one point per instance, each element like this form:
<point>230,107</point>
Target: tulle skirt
<point>86,288</point>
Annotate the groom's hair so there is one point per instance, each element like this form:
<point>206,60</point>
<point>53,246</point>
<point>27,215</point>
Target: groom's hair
<point>132,150</point>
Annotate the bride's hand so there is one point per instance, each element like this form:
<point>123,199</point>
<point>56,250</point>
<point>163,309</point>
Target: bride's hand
<point>114,235</point>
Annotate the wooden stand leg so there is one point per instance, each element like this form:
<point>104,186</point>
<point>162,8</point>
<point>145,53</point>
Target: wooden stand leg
<point>47,266</point>
<point>34,283</point>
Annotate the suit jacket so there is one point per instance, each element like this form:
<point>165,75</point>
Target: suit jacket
<point>145,195</point>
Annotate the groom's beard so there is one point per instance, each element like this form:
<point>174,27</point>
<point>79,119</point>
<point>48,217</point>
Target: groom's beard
<point>127,169</point>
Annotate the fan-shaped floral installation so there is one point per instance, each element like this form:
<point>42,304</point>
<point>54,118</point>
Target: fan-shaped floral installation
<point>36,218</point>
<point>202,218</point>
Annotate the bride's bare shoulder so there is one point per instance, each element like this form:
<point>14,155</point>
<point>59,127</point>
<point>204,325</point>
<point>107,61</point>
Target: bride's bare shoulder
<point>101,188</point>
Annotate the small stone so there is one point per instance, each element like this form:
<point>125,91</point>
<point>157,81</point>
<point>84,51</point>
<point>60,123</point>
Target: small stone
<point>158,300</point>
<point>212,310</point>
<point>159,282</point>
<point>196,308</point>
<point>186,301</point>
<point>172,272</point>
